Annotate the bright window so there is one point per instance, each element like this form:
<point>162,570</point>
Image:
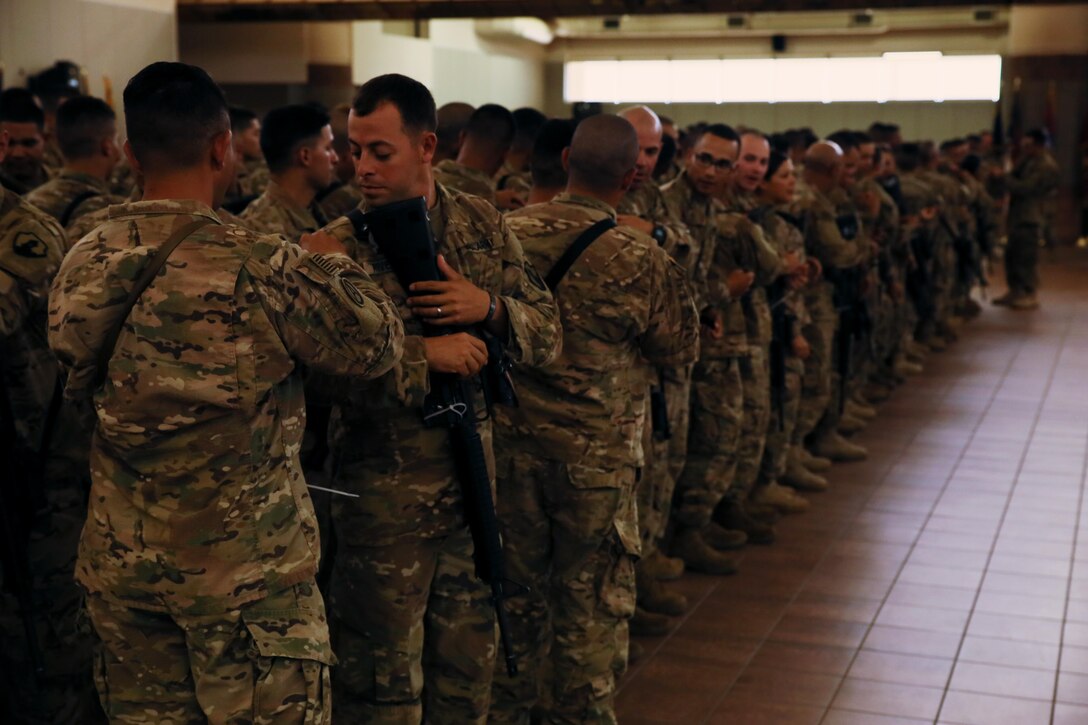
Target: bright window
<point>891,77</point>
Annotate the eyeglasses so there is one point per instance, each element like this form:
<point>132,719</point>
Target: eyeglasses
<point>707,160</point>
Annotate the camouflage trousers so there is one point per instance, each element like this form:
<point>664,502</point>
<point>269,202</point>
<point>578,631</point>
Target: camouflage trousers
<point>414,631</point>
<point>1022,258</point>
<point>755,374</point>
<point>782,421</point>
<point>64,693</point>
<point>569,532</point>
<point>816,384</point>
<point>717,408</point>
<point>267,662</point>
<point>665,460</point>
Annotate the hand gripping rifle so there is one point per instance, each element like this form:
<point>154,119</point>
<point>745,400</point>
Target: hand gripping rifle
<point>402,233</point>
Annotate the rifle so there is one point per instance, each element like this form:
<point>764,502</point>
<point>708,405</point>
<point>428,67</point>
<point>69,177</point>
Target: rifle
<point>781,326</point>
<point>402,233</point>
<point>968,262</point>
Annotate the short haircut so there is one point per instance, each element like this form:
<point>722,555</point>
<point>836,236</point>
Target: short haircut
<point>528,122</point>
<point>546,164</point>
<point>952,143</point>
<point>83,123</point>
<point>845,139</point>
<point>288,128</point>
<point>666,156</point>
<point>723,131</point>
<point>775,163</point>
<point>173,111</point>
<point>17,105</point>
<point>908,157</point>
<point>861,138</point>
<point>491,124</point>
<point>604,149</point>
<point>410,97</point>
<point>971,163</point>
<point>241,118</point>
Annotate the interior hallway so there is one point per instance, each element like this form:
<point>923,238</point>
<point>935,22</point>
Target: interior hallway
<point>943,580</point>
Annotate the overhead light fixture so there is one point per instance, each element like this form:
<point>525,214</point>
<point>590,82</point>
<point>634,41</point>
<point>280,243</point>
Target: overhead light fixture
<point>914,54</point>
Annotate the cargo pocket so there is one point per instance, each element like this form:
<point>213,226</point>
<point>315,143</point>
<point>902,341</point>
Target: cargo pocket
<point>291,658</point>
<point>617,587</point>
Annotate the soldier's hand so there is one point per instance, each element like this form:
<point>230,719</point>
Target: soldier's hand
<point>638,223</point>
<point>322,243</point>
<point>459,354</point>
<point>508,199</point>
<point>454,301</point>
<point>712,325</point>
<point>739,282</point>
<point>801,348</point>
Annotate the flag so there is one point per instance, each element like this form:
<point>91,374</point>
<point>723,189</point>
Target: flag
<point>1016,115</point>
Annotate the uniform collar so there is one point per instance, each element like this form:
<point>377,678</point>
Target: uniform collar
<point>171,207</point>
<point>586,201</point>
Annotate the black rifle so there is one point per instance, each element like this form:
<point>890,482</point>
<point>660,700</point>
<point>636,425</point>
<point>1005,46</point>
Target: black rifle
<point>402,233</point>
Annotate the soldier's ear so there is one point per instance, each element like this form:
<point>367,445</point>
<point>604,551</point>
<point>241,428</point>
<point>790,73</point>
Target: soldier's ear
<point>428,142</point>
<point>565,159</point>
<point>220,149</point>
<point>304,155</point>
<point>132,161</point>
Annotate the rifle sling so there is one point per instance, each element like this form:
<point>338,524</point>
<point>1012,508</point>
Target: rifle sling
<point>66,215</point>
<point>142,283</point>
<point>555,276</point>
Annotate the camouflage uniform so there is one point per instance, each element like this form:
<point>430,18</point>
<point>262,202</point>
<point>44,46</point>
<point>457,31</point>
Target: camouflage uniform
<point>273,212</point>
<point>251,178</point>
<point>200,546</point>
<point>825,242</point>
<point>57,196</point>
<point>31,248</point>
<point>338,200</point>
<point>883,230</point>
<point>520,181</point>
<point>1030,185</point>
<point>404,563</point>
<point>457,176</point>
<point>568,455</point>
<point>665,459</point>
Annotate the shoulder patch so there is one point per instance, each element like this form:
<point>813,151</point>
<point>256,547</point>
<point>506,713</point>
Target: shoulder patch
<point>27,244</point>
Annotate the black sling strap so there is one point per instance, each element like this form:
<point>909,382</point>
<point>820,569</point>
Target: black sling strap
<point>66,215</point>
<point>142,283</point>
<point>555,276</point>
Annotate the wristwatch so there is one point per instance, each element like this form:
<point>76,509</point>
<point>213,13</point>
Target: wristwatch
<point>658,234</point>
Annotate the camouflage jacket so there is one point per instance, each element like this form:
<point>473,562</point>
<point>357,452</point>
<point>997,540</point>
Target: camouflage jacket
<point>783,232</point>
<point>623,303</point>
<point>32,246</point>
<point>251,178</point>
<point>1030,185</point>
<point>519,181</point>
<point>198,503</point>
<point>752,253</point>
<point>694,249</point>
<point>273,212</point>
<point>402,470</point>
<point>459,177</point>
<point>57,196</point>
<point>824,238</point>
<point>338,200</point>
<point>648,202</point>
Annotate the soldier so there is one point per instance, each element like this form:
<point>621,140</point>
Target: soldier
<point>52,88</point>
<point>296,142</point>
<point>24,122</point>
<point>199,552</point>
<point>514,174</point>
<point>452,120</point>
<point>343,194</point>
<point>413,627</point>
<point>1032,181</point>
<point>674,166</point>
<point>87,135</point>
<point>546,170</point>
<point>251,173</point>
<point>566,471</point>
<point>44,498</point>
<point>484,144</point>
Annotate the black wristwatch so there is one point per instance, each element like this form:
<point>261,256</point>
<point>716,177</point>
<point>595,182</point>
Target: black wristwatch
<point>658,234</point>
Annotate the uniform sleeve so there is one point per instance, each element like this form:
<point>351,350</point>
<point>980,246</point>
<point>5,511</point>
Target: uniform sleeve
<point>671,338</point>
<point>1041,179</point>
<point>535,334</point>
<point>828,245</point>
<point>328,312</point>
<point>768,265</point>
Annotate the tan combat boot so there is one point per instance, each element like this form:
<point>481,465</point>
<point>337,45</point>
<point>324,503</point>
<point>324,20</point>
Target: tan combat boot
<point>837,448</point>
<point>802,478</point>
<point>1025,302</point>
<point>781,497</point>
<point>814,463</point>
<point>723,539</point>
<point>648,624</point>
<point>735,516</point>
<point>654,597</point>
<point>661,567</point>
<point>699,556</point>
<point>848,424</point>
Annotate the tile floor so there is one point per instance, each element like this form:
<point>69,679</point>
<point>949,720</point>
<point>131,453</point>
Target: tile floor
<point>944,580</point>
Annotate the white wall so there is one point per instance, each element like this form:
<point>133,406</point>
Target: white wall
<point>110,38</point>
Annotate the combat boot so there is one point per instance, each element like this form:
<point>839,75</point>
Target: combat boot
<point>783,498</point>
<point>762,512</point>
<point>723,539</point>
<point>1004,300</point>
<point>915,351</point>
<point>801,478</point>
<point>732,514</point>
<point>904,366</point>
<point>937,343</point>
<point>876,392</point>
<point>837,448</point>
<point>971,309</point>
<point>648,624</point>
<point>635,652</point>
<point>860,410</point>
<point>816,464</point>
<point>654,597</point>
<point>700,557</point>
<point>1025,302</point>
<point>848,424</point>
<point>661,567</point>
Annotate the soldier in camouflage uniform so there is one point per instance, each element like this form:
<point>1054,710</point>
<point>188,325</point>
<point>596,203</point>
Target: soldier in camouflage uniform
<point>513,181</point>
<point>87,133</point>
<point>342,195</point>
<point>200,548</point>
<point>413,627</point>
<point>24,122</point>
<point>297,145</point>
<point>251,172</point>
<point>44,525</point>
<point>486,139</point>
<point>569,454</point>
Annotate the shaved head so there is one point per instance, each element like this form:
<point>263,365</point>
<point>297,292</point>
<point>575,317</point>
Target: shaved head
<point>452,120</point>
<point>824,165</point>
<point>648,127</point>
<point>602,153</point>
